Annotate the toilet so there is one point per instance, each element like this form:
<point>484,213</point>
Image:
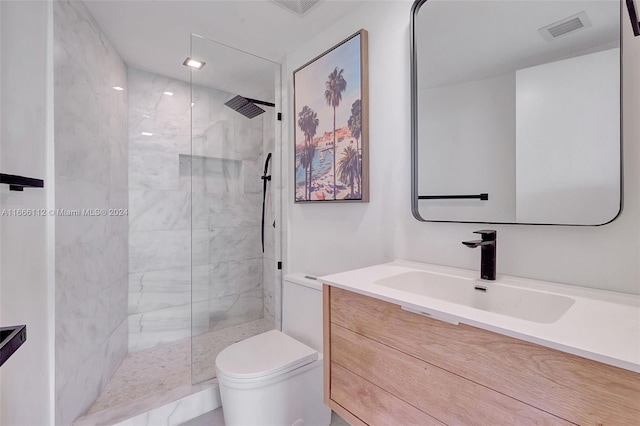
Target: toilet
<point>275,378</point>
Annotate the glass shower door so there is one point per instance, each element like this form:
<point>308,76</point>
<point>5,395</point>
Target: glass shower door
<point>233,131</point>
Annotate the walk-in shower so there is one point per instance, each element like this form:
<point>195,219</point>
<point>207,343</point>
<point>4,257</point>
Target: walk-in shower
<point>201,260</point>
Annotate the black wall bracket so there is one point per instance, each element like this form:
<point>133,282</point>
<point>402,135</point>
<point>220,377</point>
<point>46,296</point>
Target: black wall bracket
<point>633,15</point>
<point>18,183</point>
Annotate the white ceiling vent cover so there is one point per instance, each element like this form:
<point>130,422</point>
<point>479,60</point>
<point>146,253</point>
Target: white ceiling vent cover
<point>565,26</point>
<point>299,7</point>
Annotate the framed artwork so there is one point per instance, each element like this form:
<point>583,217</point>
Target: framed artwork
<point>331,105</point>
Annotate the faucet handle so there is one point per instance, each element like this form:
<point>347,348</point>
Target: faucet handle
<point>487,234</point>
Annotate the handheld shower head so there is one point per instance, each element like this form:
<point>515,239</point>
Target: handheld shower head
<point>266,164</point>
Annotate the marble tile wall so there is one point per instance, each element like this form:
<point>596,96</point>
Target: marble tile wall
<point>90,173</point>
<point>159,305</point>
<point>213,184</point>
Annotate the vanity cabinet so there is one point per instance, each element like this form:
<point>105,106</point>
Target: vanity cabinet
<point>387,366</point>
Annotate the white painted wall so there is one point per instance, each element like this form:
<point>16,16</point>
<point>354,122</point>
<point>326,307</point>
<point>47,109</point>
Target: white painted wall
<point>568,140</point>
<point>326,238</point>
<point>329,238</point>
<point>26,378</point>
<point>467,133</point>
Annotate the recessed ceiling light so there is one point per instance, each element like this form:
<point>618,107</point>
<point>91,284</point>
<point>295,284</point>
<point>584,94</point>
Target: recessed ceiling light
<point>193,63</point>
<point>118,88</point>
<point>146,134</point>
<point>193,104</point>
<point>168,93</point>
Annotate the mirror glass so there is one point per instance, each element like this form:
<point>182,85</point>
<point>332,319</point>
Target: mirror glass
<point>516,111</point>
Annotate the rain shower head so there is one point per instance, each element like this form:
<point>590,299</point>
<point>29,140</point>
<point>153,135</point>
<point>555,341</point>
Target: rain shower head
<point>247,106</point>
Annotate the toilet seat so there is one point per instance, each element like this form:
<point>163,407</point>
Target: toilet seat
<point>263,356</point>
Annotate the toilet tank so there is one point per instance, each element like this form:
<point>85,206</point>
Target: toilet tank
<point>302,309</point>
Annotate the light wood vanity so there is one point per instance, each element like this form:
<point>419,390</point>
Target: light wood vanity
<point>387,366</point>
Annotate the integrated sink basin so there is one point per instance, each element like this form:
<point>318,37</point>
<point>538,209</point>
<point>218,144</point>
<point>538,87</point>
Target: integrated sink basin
<point>11,338</point>
<point>493,297</point>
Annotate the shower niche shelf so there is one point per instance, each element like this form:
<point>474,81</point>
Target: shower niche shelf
<point>18,183</point>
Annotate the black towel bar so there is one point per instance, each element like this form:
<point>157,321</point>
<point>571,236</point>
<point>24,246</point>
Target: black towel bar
<point>18,183</point>
<point>483,196</point>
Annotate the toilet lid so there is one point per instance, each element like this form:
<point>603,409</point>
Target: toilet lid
<point>263,355</point>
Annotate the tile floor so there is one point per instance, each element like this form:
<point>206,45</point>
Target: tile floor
<point>146,378</point>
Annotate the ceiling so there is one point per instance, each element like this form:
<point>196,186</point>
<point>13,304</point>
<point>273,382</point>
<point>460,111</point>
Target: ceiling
<point>459,41</point>
<point>155,36</point>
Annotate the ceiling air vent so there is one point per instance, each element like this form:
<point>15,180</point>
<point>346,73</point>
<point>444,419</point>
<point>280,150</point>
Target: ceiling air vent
<point>565,26</point>
<point>299,7</point>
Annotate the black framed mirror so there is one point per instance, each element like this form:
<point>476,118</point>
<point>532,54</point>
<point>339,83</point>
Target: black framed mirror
<point>516,111</point>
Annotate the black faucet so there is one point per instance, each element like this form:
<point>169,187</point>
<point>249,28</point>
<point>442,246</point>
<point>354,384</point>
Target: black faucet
<point>487,252</point>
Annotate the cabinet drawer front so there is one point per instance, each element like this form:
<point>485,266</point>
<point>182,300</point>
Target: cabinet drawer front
<point>579,390</point>
<point>449,398</point>
<point>371,404</point>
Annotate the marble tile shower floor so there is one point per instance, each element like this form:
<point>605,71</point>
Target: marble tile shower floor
<point>153,377</point>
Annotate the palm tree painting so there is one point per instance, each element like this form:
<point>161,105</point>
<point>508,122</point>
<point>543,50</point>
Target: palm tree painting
<point>331,135</point>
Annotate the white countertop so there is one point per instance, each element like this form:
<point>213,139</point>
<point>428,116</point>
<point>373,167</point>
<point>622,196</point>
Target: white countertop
<point>600,325</point>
